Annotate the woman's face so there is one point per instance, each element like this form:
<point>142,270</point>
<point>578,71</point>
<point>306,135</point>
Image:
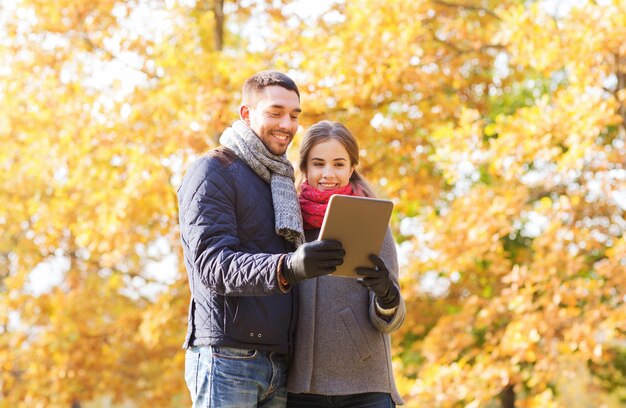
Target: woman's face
<point>328,165</point>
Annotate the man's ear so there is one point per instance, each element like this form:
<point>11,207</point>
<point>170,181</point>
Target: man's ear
<point>244,114</point>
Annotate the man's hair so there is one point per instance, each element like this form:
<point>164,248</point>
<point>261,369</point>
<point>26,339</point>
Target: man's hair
<point>254,85</point>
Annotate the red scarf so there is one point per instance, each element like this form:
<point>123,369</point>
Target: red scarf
<point>313,203</point>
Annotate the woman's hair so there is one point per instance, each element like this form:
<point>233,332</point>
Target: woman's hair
<point>326,130</point>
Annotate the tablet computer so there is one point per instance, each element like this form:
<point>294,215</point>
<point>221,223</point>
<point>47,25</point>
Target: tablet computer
<point>360,224</point>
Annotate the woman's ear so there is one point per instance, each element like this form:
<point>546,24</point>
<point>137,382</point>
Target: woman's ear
<point>351,172</point>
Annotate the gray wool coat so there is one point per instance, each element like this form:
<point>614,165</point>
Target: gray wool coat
<point>342,345</point>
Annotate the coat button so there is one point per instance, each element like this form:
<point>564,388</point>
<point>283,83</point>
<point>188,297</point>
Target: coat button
<point>260,335</point>
<point>251,334</point>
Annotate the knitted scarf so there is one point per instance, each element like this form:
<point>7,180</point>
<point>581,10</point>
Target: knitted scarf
<point>313,203</point>
<point>277,171</point>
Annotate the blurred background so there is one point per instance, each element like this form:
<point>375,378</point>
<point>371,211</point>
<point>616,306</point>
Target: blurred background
<point>496,126</point>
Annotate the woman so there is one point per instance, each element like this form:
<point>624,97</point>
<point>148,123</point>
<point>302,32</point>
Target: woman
<point>342,352</point>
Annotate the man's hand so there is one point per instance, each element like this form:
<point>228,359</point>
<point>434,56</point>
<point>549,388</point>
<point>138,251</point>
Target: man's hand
<point>377,280</point>
<point>312,259</point>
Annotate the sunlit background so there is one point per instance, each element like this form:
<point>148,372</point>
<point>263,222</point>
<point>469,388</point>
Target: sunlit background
<point>497,127</point>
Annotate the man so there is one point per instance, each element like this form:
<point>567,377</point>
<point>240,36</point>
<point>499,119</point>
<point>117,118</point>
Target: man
<point>243,245</point>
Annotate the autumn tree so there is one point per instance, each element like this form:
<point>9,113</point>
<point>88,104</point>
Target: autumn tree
<point>498,127</point>
<point>506,148</point>
<point>104,103</point>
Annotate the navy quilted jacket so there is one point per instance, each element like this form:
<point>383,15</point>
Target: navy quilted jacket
<point>231,253</point>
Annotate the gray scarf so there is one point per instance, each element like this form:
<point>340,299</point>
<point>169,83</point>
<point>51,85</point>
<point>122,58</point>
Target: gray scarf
<point>277,171</point>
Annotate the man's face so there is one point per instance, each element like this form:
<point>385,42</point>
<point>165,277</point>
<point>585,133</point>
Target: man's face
<point>274,118</point>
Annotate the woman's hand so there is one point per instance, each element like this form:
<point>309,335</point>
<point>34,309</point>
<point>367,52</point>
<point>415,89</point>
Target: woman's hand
<point>377,280</point>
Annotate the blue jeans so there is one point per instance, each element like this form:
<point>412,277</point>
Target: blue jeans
<point>225,377</point>
<point>366,400</point>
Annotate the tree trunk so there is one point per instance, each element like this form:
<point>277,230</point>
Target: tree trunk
<point>507,397</point>
<point>218,11</point>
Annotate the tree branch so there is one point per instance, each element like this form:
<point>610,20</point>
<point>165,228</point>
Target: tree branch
<point>466,7</point>
<point>94,46</point>
<point>621,84</point>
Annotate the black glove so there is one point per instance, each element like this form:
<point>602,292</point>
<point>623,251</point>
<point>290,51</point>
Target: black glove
<point>378,281</point>
<point>312,259</point>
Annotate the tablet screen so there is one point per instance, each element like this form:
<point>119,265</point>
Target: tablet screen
<point>360,223</point>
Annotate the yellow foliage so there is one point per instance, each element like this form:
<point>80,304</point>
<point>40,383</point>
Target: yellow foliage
<point>496,126</point>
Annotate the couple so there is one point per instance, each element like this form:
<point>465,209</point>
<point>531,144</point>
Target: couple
<point>261,304</point>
